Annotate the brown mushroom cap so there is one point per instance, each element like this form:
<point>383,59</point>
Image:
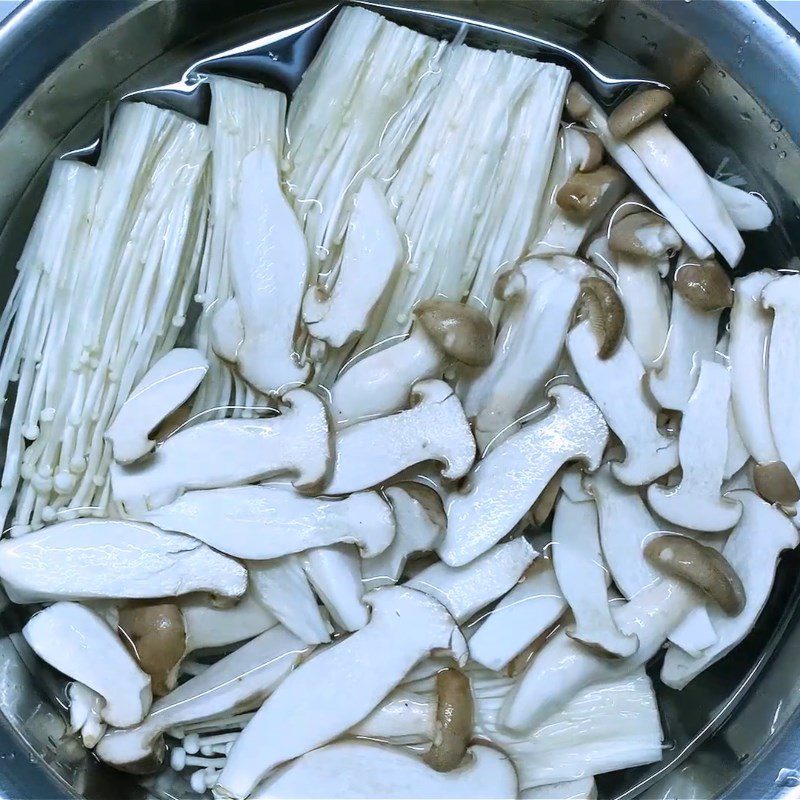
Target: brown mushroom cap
<point>458,330</point>
<point>156,636</point>
<point>774,481</point>
<point>454,715</point>
<point>578,102</point>
<point>704,284</point>
<point>703,567</point>
<point>638,109</point>
<point>594,152</point>
<point>584,191</point>
<point>643,235</point>
<point>600,304</point>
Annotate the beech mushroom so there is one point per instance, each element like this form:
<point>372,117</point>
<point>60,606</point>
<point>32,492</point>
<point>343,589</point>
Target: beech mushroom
<point>85,706</point>
<point>378,384</point>
<point>638,109</point>
<point>504,485</point>
<point>454,715</point>
<point>600,304</point>
<point>585,192</point>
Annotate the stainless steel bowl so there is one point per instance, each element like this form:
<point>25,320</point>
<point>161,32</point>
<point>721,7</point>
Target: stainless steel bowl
<point>736,71</point>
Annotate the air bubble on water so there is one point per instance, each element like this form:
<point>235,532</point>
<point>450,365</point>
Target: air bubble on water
<point>721,73</point>
<point>776,125</point>
<point>745,116</point>
<point>782,154</point>
<point>773,146</point>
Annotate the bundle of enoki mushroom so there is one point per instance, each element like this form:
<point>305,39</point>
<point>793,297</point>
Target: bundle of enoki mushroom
<point>456,452</point>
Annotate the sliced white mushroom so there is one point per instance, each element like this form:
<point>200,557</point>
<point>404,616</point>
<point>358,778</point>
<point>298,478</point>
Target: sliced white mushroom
<point>378,384</point>
<point>372,251</point>
<point>335,574</point>
<point>583,577</point>
<point>238,682</point>
<point>696,501</point>
<point>227,330</point>
<point>281,585</point>
<point>737,452</point>
<point>111,558</point>
<point>167,384</point>
<point>434,429</point>
<point>227,452</point>
<point>264,522</point>
<point>76,641</point>
<point>420,522</point>
<point>580,789</point>
<point>521,617</point>
<point>338,687</point>
<point>616,385</point>
<point>208,625</point>
<point>85,708</point>
<point>404,717</point>
<point>748,211</point>
<point>465,590</point>
<point>753,550</point>
<point>268,259</point>
<point>505,484</point>
<point>353,769</point>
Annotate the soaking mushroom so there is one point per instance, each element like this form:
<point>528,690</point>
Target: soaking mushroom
<point>372,252</point>
<point>453,724</point>
<point>263,522</point>
<point>434,428</point>
<point>335,574</point>
<point>236,682</point>
<point>505,484</point>
<point>85,718</point>
<point>616,385</point>
<point>379,383</point>
<point>601,305</point>
<point>164,387</point>
<point>747,210</point>
<point>579,789</point>
<point>76,641</point>
<point>111,558</point>
<point>227,452</point>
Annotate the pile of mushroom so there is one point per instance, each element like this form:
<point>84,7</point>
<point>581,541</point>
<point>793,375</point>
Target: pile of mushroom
<point>433,565</point>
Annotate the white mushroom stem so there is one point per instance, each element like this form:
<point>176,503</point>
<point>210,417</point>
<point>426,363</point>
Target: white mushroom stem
<point>583,577</point>
<point>85,707</point>
<point>282,587</point>
<point>579,789</point>
<point>404,717</point>
<point>405,626</point>
<point>752,550</point>
<point>520,617</point>
<point>227,330</point>
<point>167,384</point>
<point>748,211</point>
<point>228,452</point>
<point>353,769</point>
<point>207,625</point>
<point>463,591</point>
<point>696,501</point>
<point>335,574</point>
<point>238,681</point>
<point>264,522</point>
<point>564,666</point>
<point>373,451</point>
<point>616,385</point>
<point>505,484</point>
<point>372,251</point>
<point>737,452</point>
<point>98,559</point>
<point>77,642</point>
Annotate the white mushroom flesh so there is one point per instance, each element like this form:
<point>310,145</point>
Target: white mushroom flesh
<point>209,626</point>
<point>578,789</point>
<point>748,211</point>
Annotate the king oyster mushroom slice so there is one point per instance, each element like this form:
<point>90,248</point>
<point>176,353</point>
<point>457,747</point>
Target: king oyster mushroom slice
<point>465,590</point>
<point>335,574</point>
<point>506,483</point>
<point>227,452</point>
<point>583,108</point>
<point>434,428</point>
<point>521,617</point>
<point>378,384</point>
<point>580,789</point>
<point>208,625</point>
<point>748,211</point>
<point>338,687</point>
<point>281,585</point>
<point>112,558</point>
<point>85,707</point>
<point>616,385</point>
<point>355,769</point>
<point>404,717</point>
<point>372,251</point>
<point>269,265</point>
<point>737,453</point>
<point>167,384</point>
<point>701,291</point>
<point>676,169</point>
<point>696,501</point>
<point>76,641</point>
<point>236,683</point>
<point>583,577</point>
<point>263,522</point>
<point>420,522</point>
<point>752,550</point>
<point>541,295</point>
<point>641,244</point>
<point>227,330</point>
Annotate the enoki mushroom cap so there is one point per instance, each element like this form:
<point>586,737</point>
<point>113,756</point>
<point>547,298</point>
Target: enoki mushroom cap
<point>458,330</point>
<point>637,110</point>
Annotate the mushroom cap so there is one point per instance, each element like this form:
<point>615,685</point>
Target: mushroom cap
<point>454,716</point>
<point>774,481</point>
<point>600,303</point>
<point>578,102</point>
<point>638,109</point>
<point>704,284</point>
<point>643,235</point>
<point>703,567</point>
<point>460,331</point>
<point>584,191</point>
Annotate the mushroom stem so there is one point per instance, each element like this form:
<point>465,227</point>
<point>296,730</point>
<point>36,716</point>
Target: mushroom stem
<point>454,713</point>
